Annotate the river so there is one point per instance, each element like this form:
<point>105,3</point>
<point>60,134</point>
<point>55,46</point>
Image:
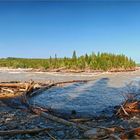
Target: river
<point>95,98</point>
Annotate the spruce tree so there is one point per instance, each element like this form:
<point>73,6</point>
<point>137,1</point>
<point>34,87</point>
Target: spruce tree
<point>74,57</point>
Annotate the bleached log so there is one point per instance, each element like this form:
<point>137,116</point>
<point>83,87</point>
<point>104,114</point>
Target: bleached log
<point>13,85</point>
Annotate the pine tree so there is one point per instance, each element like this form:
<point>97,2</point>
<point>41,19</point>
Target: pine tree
<point>74,57</point>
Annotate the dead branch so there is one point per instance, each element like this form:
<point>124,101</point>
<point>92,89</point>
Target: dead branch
<point>124,111</point>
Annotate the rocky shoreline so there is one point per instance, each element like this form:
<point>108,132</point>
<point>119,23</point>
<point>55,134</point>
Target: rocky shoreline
<point>15,116</point>
<point>22,119</point>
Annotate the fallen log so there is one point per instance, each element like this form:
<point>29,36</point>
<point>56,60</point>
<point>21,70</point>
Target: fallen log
<point>59,120</point>
<point>13,85</point>
<point>73,81</point>
<point>27,131</point>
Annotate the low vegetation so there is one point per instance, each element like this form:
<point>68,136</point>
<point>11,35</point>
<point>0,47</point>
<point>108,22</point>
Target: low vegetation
<point>99,61</point>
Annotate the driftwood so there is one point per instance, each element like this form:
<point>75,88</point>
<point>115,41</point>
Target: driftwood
<point>59,120</point>
<point>73,81</point>
<point>81,120</point>
<point>30,91</point>
<point>129,108</point>
<point>13,85</point>
<point>126,110</point>
<point>27,131</point>
<point>7,90</point>
<point>47,115</point>
<point>130,134</point>
<point>30,88</point>
<point>133,107</point>
<point>38,91</point>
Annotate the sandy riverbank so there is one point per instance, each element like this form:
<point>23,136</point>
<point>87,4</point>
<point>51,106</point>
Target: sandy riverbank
<point>27,74</point>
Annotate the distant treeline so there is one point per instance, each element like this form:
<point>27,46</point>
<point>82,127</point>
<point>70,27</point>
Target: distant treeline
<point>99,61</point>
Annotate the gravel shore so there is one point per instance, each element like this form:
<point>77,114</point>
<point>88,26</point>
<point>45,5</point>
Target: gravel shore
<point>22,119</point>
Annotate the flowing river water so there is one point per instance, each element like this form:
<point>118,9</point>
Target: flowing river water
<point>95,98</point>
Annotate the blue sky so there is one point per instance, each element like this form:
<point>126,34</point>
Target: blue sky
<point>40,29</point>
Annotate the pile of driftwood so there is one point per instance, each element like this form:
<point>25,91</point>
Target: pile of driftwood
<point>26,90</point>
<point>129,109</point>
<point>11,90</point>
